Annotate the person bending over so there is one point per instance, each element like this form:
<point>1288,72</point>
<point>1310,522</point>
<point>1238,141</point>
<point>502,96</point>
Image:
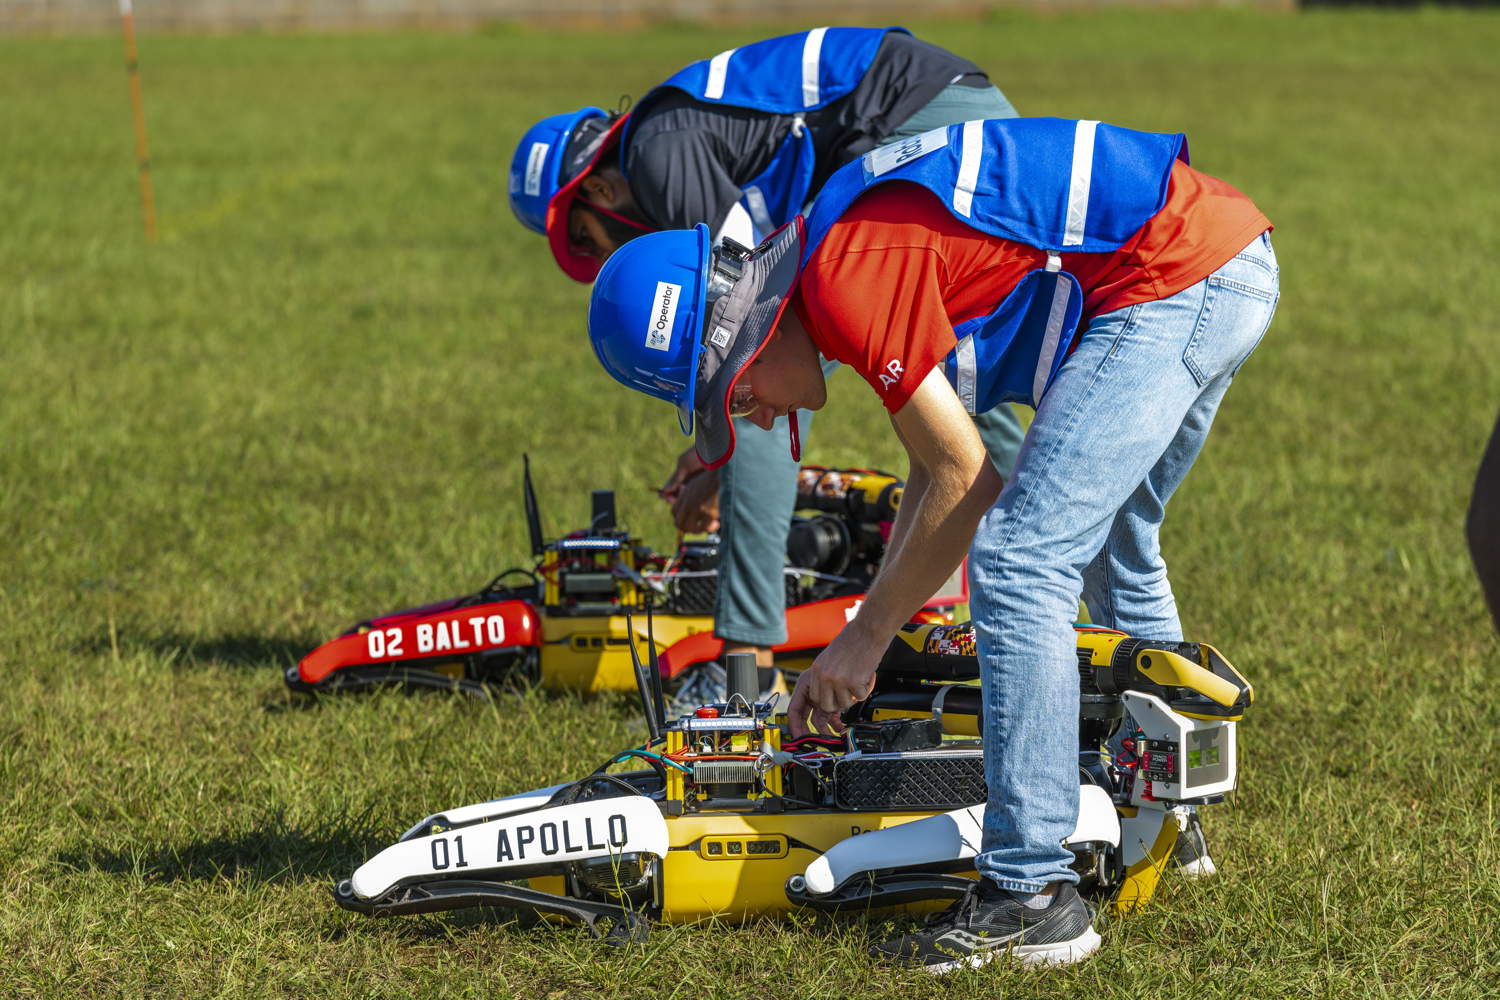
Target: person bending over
<point>741,142</point>
<point>1073,266</point>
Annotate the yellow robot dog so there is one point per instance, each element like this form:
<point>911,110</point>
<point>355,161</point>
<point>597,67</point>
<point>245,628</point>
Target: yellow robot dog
<point>731,820</point>
<point>569,621</point>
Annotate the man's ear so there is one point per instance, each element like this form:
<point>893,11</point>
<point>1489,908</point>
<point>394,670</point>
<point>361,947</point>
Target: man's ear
<point>602,189</point>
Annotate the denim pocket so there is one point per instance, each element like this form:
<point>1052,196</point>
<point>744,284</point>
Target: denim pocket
<point>1260,255</point>
<point>1237,308</point>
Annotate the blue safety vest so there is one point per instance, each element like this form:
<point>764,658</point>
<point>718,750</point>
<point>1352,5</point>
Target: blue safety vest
<point>1059,185</point>
<point>789,75</point>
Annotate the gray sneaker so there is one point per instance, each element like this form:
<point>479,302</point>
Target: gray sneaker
<point>1190,853</point>
<point>990,923</point>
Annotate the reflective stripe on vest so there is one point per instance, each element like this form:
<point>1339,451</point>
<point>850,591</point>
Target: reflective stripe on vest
<point>812,47</point>
<point>968,168</point>
<point>718,69</point>
<point>1056,314</point>
<point>1054,184</point>
<point>782,75</point>
<point>1080,177</point>
<point>788,75</point>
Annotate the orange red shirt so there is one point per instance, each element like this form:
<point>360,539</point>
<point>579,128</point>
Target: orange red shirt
<point>884,289</point>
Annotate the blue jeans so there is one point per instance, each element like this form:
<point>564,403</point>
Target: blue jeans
<point>758,486</point>
<point>1113,437</point>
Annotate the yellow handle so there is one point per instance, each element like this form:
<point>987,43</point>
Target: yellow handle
<point>1179,671</point>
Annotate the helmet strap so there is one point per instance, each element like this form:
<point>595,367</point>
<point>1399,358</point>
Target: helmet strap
<point>633,224</point>
<point>791,424</point>
<point>726,265</point>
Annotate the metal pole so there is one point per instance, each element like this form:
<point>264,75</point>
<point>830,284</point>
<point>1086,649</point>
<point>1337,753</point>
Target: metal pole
<point>142,158</point>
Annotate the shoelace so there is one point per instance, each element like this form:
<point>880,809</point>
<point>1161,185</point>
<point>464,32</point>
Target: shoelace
<point>961,913</point>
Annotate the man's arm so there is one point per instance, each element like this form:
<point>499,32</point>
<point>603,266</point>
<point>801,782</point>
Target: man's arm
<point>911,496</point>
<point>957,485</point>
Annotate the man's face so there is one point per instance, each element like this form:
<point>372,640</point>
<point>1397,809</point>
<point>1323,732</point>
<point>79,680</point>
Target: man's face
<point>786,376</point>
<point>587,234</point>
<point>592,231</point>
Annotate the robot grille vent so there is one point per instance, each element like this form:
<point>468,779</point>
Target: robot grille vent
<point>909,781</point>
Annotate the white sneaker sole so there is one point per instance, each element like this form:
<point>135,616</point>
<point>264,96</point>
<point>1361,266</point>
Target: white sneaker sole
<point>1199,868</point>
<point>1053,955</point>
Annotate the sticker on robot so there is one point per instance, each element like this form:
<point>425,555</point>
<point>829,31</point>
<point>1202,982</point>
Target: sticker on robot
<point>951,640</point>
<point>663,316</point>
<point>552,838</point>
<point>476,632</point>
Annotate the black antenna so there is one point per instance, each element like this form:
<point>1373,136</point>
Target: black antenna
<point>604,519</point>
<point>533,516</point>
<point>649,693</point>
<point>659,702</point>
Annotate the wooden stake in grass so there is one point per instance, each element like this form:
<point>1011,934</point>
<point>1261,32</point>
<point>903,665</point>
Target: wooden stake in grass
<point>143,160</point>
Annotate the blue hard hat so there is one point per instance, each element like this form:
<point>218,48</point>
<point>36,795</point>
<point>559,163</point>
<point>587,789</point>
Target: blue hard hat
<point>536,169</point>
<point>650,311</point>
<point>646,315</point>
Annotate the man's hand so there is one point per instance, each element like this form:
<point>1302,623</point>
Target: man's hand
<point>839,678</point>
<point>693,492</point>
<point>697,505</point>
<point>688,466</point>
<point>951,485</point>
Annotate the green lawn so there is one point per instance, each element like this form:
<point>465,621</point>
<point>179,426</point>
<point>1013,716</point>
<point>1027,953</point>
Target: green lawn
<point>308,402</point>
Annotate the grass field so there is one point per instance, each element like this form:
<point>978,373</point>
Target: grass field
<point>308,402</point>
